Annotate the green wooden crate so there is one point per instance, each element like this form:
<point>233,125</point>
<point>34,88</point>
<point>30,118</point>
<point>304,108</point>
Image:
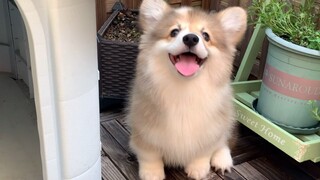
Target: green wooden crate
<point>299,147</point>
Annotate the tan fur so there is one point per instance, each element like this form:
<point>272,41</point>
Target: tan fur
<point>176,120</point>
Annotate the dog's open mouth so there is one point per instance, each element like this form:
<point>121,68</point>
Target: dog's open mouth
<point>187,64</point>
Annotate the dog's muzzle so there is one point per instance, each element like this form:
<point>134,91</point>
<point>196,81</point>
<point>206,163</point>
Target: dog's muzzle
<point>188,62</point>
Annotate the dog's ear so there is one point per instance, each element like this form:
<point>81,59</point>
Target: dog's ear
<point>151,11</point>
<point>234,23</point>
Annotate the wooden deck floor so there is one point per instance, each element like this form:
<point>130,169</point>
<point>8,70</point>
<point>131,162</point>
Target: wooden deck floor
<point>254,158</point>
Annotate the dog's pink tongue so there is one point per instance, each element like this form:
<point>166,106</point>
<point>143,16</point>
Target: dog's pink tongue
<point>187,65</point>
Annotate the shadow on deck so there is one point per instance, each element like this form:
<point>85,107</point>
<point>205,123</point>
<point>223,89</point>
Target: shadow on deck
<point>254,158</point>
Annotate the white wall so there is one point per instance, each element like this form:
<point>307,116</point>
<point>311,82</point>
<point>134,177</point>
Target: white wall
<point>62,41</point>
<point>5,65</point>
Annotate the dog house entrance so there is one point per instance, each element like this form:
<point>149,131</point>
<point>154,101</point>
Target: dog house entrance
<point>19,139</point>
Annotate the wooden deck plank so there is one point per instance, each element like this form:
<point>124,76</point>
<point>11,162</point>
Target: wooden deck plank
<point>310,168</point>
<point>109,170</point>
<point>121,158</point>
<point>246,149</point>
<point>118,132</point>
<point>123,122</point>
<point>288,165</point>
<point>213,176</point>
<point>249,172</point>
<point>231,175</point>
<point>277,170</point>
<point>111,115</point>
<point>268,169</point>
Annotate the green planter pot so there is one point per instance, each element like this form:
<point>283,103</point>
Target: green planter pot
<point>291,78</point>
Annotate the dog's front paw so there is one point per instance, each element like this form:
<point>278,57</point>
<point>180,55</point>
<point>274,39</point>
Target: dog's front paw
<point>198,169</point>
<point>151,172</point>
<point>222,160</point>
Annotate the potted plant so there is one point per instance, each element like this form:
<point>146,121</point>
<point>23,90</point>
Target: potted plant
<point>117,51</point>
<point>292,73</point>
<point>315,109</point>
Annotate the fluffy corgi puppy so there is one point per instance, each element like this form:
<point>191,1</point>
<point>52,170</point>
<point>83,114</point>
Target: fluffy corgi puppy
<point>180,109</point>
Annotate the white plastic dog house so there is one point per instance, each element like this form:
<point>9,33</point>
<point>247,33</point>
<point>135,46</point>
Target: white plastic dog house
<point>63,54</point>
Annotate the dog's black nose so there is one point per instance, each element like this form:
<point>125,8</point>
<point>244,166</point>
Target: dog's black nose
<point>190,40</point>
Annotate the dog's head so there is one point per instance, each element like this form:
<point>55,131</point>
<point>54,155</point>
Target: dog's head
<point>187,38</point>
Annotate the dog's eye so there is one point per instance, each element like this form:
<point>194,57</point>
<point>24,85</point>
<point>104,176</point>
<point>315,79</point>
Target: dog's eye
<point>206,36</point>
<point>174,32</point>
